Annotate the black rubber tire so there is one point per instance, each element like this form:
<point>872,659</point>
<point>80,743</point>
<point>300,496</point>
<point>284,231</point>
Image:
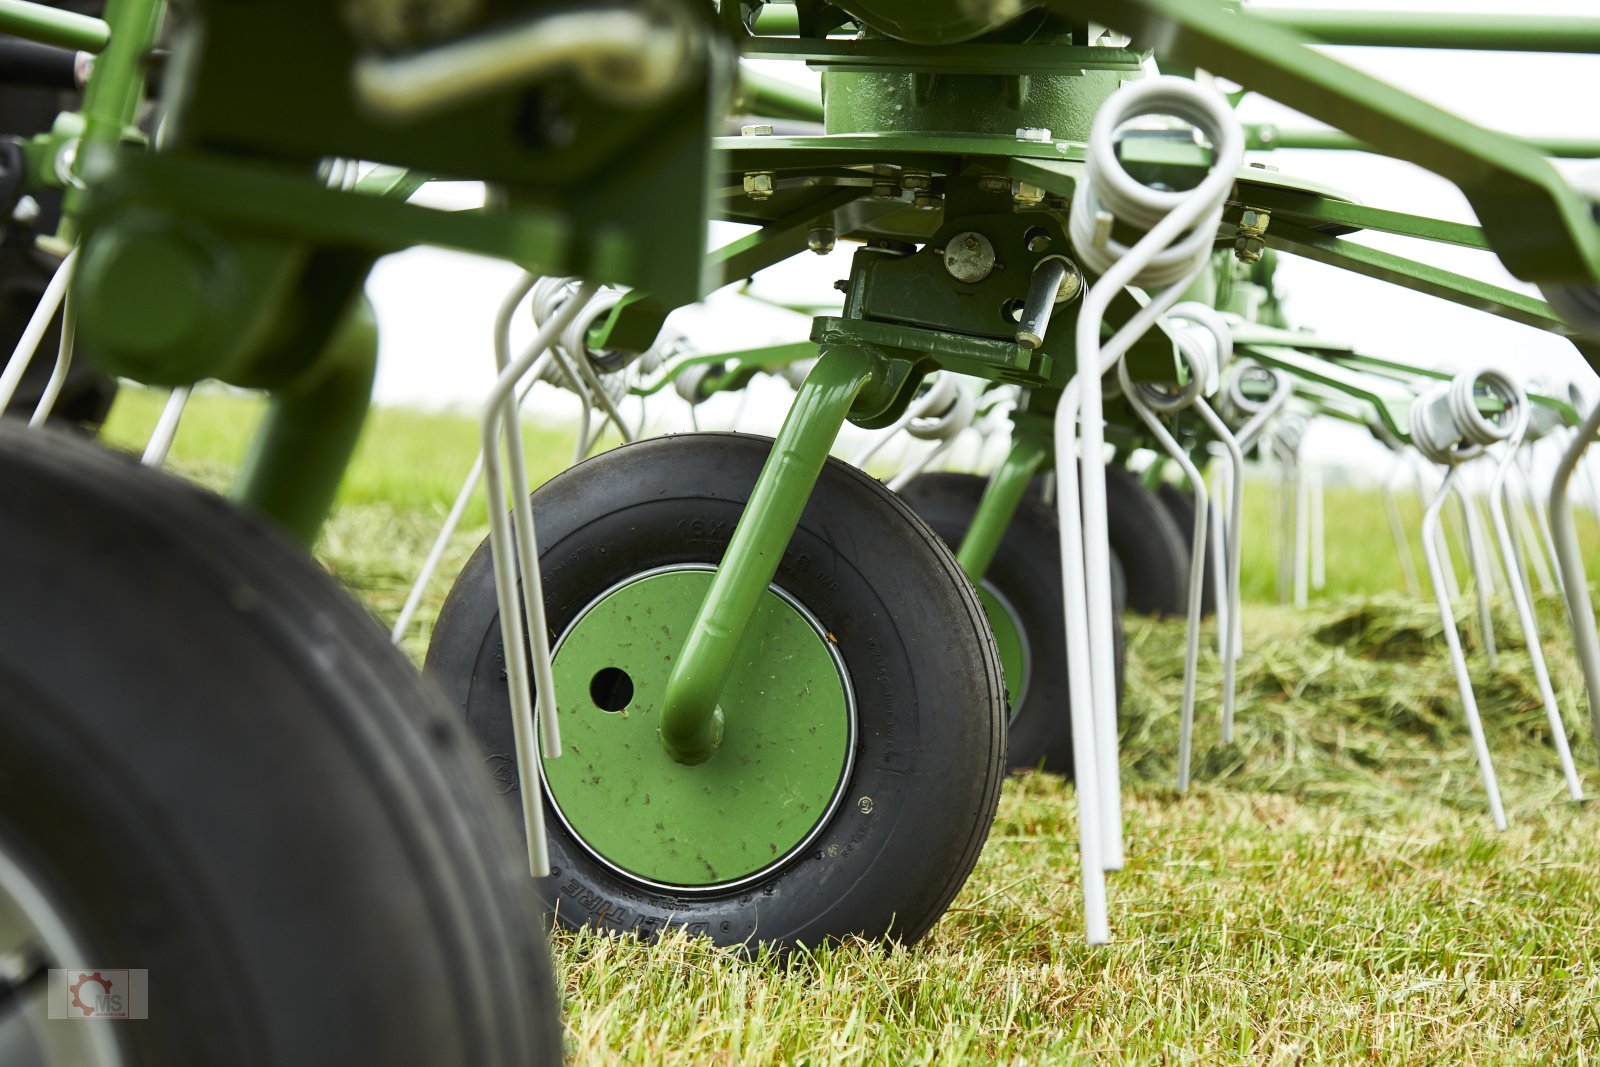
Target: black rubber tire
<point>1026,572</point>
<point>225,775</point>
<point>931,739</point>
<point>1147,542</point>
<point>1180,505</point>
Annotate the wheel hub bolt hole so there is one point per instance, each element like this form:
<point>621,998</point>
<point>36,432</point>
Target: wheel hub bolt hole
<point>611,689</point>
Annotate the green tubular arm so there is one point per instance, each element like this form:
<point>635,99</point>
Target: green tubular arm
<point>1006,488</point>
<point>691,721</point>
<point>1394,410</point>
<point>1265,136</point>
<point>1440,29</point>
<point>1540,226</point>
<point>762,94</point>
<point>49,25</point>
<point>300,453</point>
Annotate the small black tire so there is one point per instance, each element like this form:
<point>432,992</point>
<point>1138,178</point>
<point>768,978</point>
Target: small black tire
<point>217,769</point>
<point>1026,577</point>
<point>1180,505</point>
<point>929,757</point>
<point>1148,543</point>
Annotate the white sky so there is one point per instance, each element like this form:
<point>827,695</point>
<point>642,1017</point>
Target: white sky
<point>435,308</point>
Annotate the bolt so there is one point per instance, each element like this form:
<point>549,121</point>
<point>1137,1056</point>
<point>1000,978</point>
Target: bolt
<point>885,189</point>
<point>1036,134</point>
<point>927,201</point>
<point>758,130</point>
<point>994,183</point>
<point>821,239</point>
<point>918,181</point>
<point>759,185</point>
<point>843,285</point>
<point>1248,246</point>
<point>27,211</point>
<point>1026,194</point>
<point>969,257</point>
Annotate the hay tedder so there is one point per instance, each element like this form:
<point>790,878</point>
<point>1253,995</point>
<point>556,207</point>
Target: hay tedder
<point>728,683</point>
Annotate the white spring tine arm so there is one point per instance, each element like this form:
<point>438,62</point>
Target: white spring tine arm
<point>33,333</point>
<point>58,374</point>
<point>1220,490</point>
<point>507,544</point>
<point>1478,563</point>
<point>1499,492</point>
<point>1536,552</point>
<point>161,438</point>
<point>1541,516</point>
<point>1431,541</point>
<point>1197,559</point>
<point>1402,543</point>
<point>1319,533</point>
<point>1570,559</point>
<point>1230,592</point>
<point>1085,756</point>
<point>1302,533</point>
<point>452,520</point>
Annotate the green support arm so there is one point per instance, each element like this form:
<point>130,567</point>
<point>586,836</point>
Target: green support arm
<point>49,25</point>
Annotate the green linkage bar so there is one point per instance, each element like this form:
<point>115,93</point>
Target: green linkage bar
<point>1001,497</point>
<point>691,720</point>
<point>773,98</point>
<point>1430,29</point>
<point>1540,226</point>
<point>1265,136</point>
<point>49,25</point>
<point>1411,274</point>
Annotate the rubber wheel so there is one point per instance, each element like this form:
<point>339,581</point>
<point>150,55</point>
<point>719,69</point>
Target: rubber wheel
<point>1180,505</point>
<point>1148,543</point>
<point>1022,594</point>
<point>215,768</point>
<point>869,594</point>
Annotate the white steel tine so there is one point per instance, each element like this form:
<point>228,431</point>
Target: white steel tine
<point>452,520</point>
<point>1530,535</point>
<point>1229,594</point>
<point>38,325</point>
<point>1478,563</point>
<point>1402,541</point>
<point>1569,558</point>
<point>1431,539</point>
<point>1197,557</point>
<point>161,438</point>
<point>500,415</point>
<point>58,374</point>
<point>1498,493</point>
<point>1541,516</point>
<point>1319,532</point>
<point>1302,532</point>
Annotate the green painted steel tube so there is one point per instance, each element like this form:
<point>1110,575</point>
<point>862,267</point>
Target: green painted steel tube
<point>300,453</point>
<point>1001,497</point>
<point>115,90</point>
<point>1267,136</point>
<point>1435,29</point>
<point>691,720</point>
<point>49,25</point>
<point>773,98</point>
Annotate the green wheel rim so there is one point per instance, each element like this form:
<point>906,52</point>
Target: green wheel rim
<point>1016,656</point>
<point>787,745</point>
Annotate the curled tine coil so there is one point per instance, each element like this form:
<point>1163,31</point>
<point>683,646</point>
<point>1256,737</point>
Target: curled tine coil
<point>1448,428</point>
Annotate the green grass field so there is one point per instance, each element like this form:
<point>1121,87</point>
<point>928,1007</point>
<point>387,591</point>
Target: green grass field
<point>1331,889</point>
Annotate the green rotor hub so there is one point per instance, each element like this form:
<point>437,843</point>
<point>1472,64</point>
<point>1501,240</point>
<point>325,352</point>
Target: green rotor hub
<point>786,748</point>
<point>1016,659</point>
